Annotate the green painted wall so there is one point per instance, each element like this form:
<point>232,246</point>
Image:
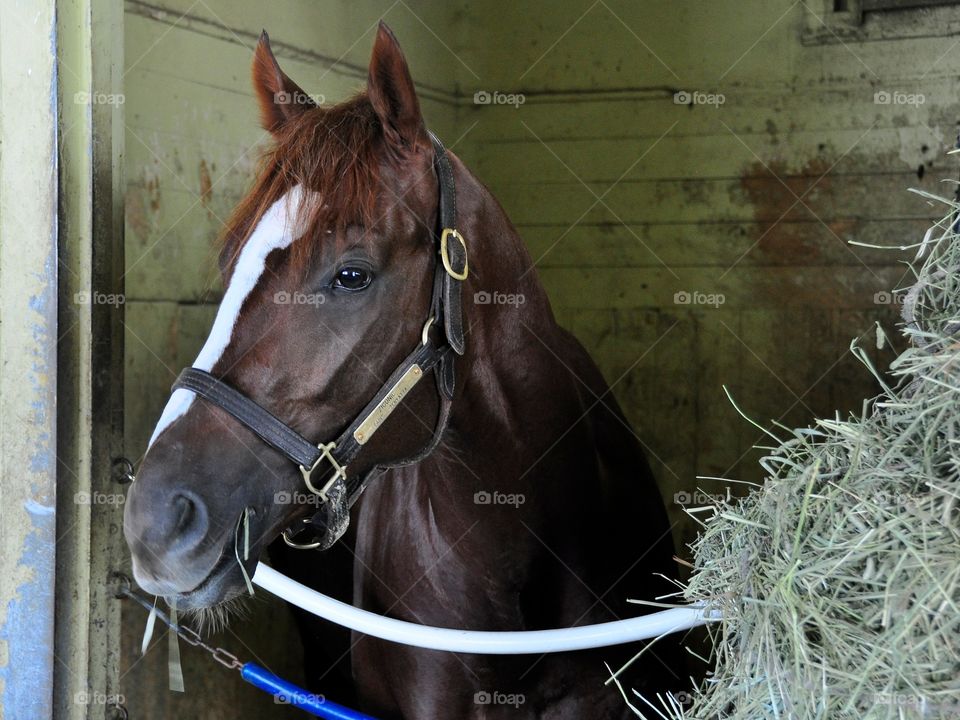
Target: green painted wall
<point>624,196</point>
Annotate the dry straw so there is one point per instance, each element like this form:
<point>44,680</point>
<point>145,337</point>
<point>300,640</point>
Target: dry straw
<point>838,580</point>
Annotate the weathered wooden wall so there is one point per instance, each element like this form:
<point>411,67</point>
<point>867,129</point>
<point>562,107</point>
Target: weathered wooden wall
<point>192,144</point>
<point>624,197</point>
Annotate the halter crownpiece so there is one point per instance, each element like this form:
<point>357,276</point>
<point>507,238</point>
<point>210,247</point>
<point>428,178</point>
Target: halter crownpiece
<point>340,489</point>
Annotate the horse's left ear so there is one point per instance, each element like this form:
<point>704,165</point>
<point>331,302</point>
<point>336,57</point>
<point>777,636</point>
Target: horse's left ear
<point>280,97</point>
<point>392,92</point>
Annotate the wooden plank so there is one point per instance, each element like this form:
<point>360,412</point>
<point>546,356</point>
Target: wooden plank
<point>719,154</point>
<point>747,287</point>
<point>730,201</point>
<point>801,368</point>
<point>171,244</point>
<point>720,244</point>
<point>322,36</point>
<point>670,364</point>
<point>695,200</point>
<point>195,164</point>
<point>746,110</point>
<point>172,51</point>
<point>207,79</point>
<point>718,431</point>
<point>649,45</point>
<point>150,366</point>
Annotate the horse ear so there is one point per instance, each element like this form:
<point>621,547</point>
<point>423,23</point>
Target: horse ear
<point>280,97</point>
<point>392,92</point>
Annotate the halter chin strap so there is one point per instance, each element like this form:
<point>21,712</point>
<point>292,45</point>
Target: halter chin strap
<point>339,489</point>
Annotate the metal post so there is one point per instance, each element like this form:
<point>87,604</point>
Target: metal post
<point>28,359</point>
<point>90,377</point>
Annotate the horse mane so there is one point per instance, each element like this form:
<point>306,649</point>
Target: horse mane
<point>335,152</point>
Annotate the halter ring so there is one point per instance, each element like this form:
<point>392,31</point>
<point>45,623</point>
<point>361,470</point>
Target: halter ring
<point>445,254</point>
<point>298,546</point>
<point>425,334</point>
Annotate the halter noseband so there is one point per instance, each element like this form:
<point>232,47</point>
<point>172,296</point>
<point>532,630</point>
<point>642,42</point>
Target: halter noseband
<point>340,489</point>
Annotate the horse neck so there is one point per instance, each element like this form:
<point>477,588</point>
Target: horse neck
<point>508,372</point>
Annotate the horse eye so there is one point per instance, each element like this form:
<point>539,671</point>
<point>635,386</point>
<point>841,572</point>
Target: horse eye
<point>353,278</point>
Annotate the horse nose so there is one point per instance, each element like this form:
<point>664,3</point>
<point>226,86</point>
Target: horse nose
<point>171,523</point>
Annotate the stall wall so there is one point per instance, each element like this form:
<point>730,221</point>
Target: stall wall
<point>689,176</point>
<point>192,142</point>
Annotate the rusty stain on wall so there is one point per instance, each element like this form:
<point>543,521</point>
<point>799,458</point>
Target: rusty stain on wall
<point>206,185</point>
<point>152,185</point>
<point>136,214</point>
<point>777,195</point>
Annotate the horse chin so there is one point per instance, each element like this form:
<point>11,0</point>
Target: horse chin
<point>210,619</point>
<point>219,596</point>
<point>222,592</point>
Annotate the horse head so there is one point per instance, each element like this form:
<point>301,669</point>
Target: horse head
<point>328,266</point>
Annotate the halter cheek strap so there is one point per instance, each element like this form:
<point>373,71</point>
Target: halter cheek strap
<point>340,489</point>
<point>453,253</point>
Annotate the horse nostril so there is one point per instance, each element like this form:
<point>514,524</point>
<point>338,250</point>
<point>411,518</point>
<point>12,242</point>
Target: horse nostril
<point>186,509</point>
<point>191,524</point>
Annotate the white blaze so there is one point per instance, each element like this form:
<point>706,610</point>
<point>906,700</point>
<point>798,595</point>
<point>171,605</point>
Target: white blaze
<point>275,230</point>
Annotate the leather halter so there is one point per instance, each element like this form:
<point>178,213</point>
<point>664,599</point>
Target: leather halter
<point>340,488</point>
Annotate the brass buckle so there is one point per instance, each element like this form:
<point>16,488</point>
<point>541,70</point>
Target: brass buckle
<point>445,254</point>
<point>339,471</point>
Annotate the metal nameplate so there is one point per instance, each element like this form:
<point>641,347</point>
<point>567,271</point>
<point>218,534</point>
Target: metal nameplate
<point>389,403</point>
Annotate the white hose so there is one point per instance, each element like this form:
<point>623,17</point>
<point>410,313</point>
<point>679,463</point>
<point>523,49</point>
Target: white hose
<point>471,641</point>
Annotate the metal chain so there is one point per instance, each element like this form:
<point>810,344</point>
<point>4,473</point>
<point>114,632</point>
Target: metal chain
<point>188,635</point>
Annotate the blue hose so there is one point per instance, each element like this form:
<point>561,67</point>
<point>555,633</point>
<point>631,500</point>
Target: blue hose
<point>297,697</point>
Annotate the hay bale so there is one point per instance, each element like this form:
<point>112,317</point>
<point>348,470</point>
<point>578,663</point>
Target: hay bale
<point>839,579</point>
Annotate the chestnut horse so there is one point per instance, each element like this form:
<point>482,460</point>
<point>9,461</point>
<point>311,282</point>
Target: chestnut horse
<point>532,508</point>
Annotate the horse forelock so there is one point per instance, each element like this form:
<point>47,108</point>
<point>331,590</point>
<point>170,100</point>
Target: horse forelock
<point>335,153</point>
